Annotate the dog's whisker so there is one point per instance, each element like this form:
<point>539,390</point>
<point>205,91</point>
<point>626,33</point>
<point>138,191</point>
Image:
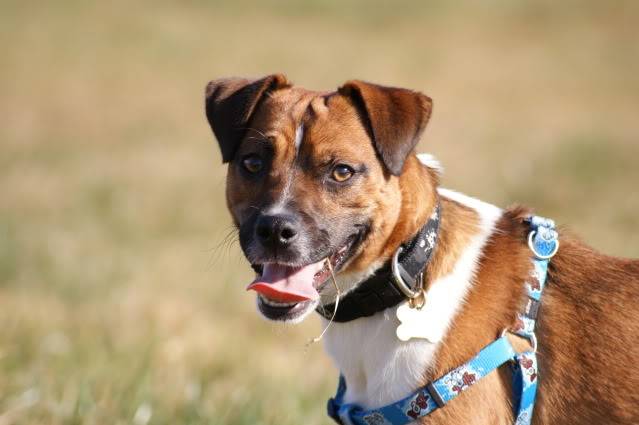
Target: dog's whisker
<point>263,136</point>
<point>225,245</point>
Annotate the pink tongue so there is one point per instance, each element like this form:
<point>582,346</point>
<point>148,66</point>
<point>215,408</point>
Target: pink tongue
<point>287,284</point>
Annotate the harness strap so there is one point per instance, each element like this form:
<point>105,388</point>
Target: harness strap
<point>525,374</point>
<point>544,243</point>
<point>429,398</point>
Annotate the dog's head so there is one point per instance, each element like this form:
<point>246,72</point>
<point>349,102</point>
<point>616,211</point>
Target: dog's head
<point>314,180</point>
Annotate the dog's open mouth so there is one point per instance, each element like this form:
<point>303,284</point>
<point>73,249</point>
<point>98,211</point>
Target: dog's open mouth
<point>287,292</point>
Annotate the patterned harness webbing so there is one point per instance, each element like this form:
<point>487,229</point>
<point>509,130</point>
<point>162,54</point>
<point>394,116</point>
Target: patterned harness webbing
<point>543,242</point>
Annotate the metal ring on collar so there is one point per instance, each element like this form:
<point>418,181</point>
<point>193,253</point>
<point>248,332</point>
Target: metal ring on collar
<point>531,245</point>
<point>397,278</point>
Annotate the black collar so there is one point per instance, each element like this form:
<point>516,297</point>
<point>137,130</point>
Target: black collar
<point>380,291</point>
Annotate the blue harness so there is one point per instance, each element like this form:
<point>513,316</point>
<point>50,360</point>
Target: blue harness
<point>544,243</point>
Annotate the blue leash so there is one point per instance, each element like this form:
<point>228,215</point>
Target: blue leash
<point>543,242</point>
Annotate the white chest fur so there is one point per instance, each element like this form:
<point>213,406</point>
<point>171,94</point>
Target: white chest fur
<point>378,367</point>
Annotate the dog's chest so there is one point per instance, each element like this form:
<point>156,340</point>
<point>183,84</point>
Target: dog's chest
<point>378,367</point>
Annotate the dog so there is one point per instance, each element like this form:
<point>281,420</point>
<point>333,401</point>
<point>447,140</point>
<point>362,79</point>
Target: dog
<point>324,189</point>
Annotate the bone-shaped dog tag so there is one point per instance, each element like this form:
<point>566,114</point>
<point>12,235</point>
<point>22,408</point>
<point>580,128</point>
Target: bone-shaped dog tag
<point>417,323</point>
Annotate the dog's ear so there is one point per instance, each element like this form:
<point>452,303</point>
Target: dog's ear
<point>230,103</point>
<point>395,118</point>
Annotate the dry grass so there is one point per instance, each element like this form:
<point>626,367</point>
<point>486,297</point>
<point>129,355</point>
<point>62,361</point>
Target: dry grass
<point>120,301</point>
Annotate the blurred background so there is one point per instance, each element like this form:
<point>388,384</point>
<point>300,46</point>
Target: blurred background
<point>121,289</point>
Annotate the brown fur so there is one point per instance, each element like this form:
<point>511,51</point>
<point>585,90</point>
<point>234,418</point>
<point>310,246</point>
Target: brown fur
<point>589,320</point>
<point>459,224</point>
<point>587,334</point>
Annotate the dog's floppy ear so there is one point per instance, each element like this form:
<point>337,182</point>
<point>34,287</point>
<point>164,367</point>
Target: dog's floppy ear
<point>395,117</point>
<point>230,103</point>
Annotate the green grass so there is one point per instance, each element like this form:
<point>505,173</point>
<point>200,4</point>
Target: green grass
<point>121,296</point>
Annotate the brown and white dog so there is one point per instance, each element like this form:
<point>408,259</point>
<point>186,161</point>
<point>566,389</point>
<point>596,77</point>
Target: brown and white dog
<point>317,176</point>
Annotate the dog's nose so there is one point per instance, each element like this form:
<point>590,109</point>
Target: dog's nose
<point>276,229</point>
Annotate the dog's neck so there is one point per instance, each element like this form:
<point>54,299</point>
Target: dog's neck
<point>418,200</point>
<point>378,367</point>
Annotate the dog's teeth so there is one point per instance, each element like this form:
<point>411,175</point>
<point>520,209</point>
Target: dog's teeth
<point>275,303</point>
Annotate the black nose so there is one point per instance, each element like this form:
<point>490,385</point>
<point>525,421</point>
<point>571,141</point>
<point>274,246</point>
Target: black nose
<point>276,230</point>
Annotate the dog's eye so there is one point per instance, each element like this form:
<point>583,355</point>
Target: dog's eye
<point>252,163</point>
<point>342,172</point>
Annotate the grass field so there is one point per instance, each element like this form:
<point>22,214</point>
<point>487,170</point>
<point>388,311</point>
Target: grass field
<point>121,291</point>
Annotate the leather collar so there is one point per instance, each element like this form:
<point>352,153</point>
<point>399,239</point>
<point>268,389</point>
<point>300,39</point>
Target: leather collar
<point>380,291</point>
